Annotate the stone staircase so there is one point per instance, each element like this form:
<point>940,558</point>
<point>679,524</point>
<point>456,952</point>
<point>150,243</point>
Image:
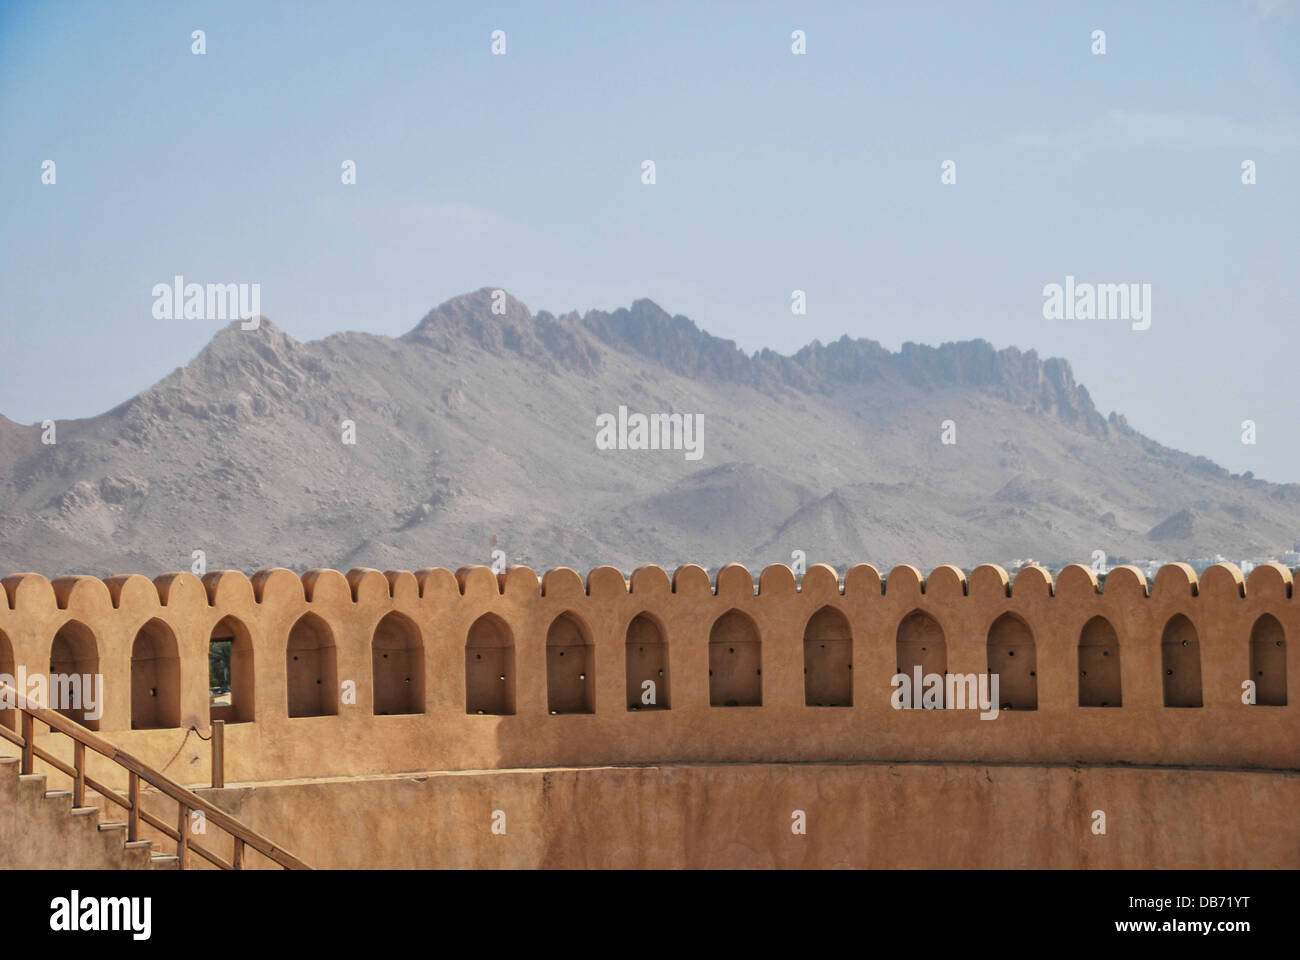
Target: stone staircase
<point>46,837</point>
<point>41,829</point>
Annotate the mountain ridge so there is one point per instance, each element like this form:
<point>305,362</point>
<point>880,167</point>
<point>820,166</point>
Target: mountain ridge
<point>475,427</point>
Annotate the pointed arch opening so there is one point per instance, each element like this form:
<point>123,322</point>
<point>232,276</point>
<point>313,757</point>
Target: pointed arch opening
<point>490,667</point>
<point>1180,655</point>
<point>735,662</point>
<point>230,670</point>
<point>1099,673</point>
<point>570,667</point>
<point>311,668</point>
<point>397,666</point>
<point>647,665</point>
<point>155,678</point>
<point>74,689</point>
<point>828,660</point>
<point>1268,661</point>
<point>1013,659</point>
<point>922,651</point>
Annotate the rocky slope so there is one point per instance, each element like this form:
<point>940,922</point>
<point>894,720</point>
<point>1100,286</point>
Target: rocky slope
<point>476,431</point>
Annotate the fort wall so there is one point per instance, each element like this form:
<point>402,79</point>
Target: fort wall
<point>778,672</point>
<point>742,815</point>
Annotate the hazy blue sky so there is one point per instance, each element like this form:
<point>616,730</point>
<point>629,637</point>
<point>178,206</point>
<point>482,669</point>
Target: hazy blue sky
<point>775,172</point>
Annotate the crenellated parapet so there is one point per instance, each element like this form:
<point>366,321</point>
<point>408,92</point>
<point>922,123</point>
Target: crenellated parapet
<point>368,671</point>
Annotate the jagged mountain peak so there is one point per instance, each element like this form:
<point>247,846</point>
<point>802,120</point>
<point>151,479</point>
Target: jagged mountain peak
<point>834,450</point>
<point>493,320</point>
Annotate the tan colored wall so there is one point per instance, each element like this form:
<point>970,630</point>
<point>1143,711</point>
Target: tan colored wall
<point>441,607</point>
<point>857,815</point>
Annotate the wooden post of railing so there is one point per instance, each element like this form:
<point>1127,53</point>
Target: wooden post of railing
<point>79,764</point>
<point>182,835</point>
<point>218,753</point>
<point>29,742</point>
<point>133,814</point>
<point>237,858</point>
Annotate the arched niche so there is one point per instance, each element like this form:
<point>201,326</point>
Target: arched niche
<point>397,666</point>
<point>1268,661</point>
<point>920,643</point>
<point>570,667</point>
<point>1180,656</point>
<point>1012,657</point>
<point>828,660</point>
<point>155,678</point>
<point>647,664</point>
<point>74,687</point>
<point>311,668</point>
<point>1099,673</point>
<point>490,667</point>
<point>735,662</point>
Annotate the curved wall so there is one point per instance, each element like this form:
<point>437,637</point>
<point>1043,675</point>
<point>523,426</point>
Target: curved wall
<point>803,708</point>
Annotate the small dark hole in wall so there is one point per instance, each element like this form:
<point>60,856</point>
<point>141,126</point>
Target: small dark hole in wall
<point>731,650</point>
<point>478,656</point>
<point>295,656</point>
<point>1105,653</point>
<point>1083,673</point>
<point>1169,673</point>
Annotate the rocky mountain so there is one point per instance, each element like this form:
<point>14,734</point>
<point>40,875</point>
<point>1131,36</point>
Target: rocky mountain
<point>476,431</point>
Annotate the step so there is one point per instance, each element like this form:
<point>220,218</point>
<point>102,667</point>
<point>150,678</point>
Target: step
<point>111,825</point>
<point>165,861</point>
<point>84,811</point>
<point>137,844</point>
<point>57,794</point>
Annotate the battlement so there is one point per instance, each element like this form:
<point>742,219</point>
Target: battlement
<point>371,672</point>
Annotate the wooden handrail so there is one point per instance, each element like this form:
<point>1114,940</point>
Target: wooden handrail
<point>186,799</point>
